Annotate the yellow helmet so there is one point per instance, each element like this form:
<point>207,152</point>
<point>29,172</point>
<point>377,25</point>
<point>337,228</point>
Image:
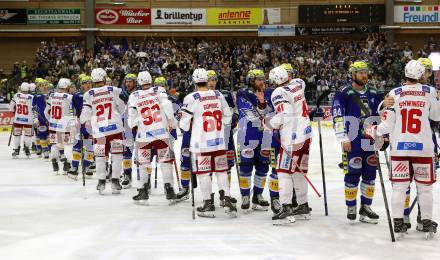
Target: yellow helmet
<point>288,67</point>
<point>358,66</point>
<point>39,81</point>
<point>85,79</point>
<point>160,81</point>
<point>427,63</point>
<point>80,76</point>
<point>255,74</point>
<point>130,76</point>
<point>212,75</point>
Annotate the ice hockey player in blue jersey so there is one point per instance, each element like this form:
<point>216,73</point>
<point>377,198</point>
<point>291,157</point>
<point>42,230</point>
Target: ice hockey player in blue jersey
<point>129,87</point>
<point>254,144</point>
<point>39,104</point>
<point>85,147</point>
<point>357,103</point>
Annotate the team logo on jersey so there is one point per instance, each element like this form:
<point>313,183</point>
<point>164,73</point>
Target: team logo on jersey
<point>355,163</point>
<point>422,172</point>
<point>398,91</point>
<point>372,160</point>
<point>426,89</point>
<point>400,170</point>
<point>265,153</point>
<point>247,153</point>
<point>409,146</point>
<point>204,163</point>
<point>186,152</point>
<point>221,163</point>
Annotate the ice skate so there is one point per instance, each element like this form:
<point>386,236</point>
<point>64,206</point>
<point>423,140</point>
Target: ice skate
<point>89,173</point>
<point>116,186</point>
<point>27,152</point>
<point>245,203</point>
<point>351,213</point>
<point>222,199</point>
<point>46,155</point>
<point>407,222</point>
<point>229,207</point>
<point>73,173</point>
<point>126,181</point>
<point>101,187</point>
<point>258,202</point>
<point>429,228</point>
<point>367,215</point>
<point>302,212</point>
<point>142,197</point>
<point>55,166</point>
<point>207,210</point>
<point>183,194</point>
<point>284,216</point>
<point>66,167</point>
<point>399,227</point>
<point>170,195</point>
<point>16,153</point>
<point>275,205</point>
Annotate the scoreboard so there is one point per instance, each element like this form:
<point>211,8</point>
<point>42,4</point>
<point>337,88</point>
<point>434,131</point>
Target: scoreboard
<point>342,14</point>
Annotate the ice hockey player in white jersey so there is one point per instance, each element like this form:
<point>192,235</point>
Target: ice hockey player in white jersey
<point>151,112</point>
<point>293,122</point>
<point>407,123</point>
<point>21,106</point>
<point>59,112</point>
<point>103,108</point>
<point>205,112</point>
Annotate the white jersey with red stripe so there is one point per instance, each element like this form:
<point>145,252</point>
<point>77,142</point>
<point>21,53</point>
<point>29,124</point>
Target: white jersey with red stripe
<point>21,105</point>
<point>206,113</point>
<point>152,113</point>
<point>59,111</point>
<point>104,109</point>
<point>291,114</point>
<point>407,121</point>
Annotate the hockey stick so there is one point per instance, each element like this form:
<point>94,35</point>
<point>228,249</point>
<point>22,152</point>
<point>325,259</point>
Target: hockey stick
<point>155,174</point>
<point>83,168</point>
<point>177,174</point>
<point>413,205</point>
<point>324,188</point>
<point>384,194</point>
<point>321,151</point>
<point>10,135</point>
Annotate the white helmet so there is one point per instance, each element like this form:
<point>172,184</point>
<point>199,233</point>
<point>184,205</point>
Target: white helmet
<point>24,87</point>
<point>414,69</point>
<point>144,77</point>
<point>278,75</point>
<point>200,76</point>
<point>32,87</point>
<point>63,83</point>
<point>98,75</point>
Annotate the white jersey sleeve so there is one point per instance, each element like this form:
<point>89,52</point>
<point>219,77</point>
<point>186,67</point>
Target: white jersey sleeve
<point>133,117</point>
<point>187,111</point>
<point>226,110</point>
<point>167,107</point>
<point>86,112</point>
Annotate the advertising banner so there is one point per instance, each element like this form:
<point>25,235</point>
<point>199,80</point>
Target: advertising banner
<point>326,30</point>
<point>416,14</point>
<point>13,16</point>
<point>178,16</point>
<point>235,16</point>
<point>54,16</point>
<point>123,16</point>
<point>276,30</point>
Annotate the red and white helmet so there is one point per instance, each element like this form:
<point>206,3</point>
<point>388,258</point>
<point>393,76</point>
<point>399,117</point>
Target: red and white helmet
<point>414,70</point>
<point>278,76</point>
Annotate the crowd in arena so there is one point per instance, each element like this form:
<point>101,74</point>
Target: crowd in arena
<point>323,64</point>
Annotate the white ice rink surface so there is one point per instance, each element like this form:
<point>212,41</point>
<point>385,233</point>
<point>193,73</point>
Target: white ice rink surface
<point>43,216</point>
